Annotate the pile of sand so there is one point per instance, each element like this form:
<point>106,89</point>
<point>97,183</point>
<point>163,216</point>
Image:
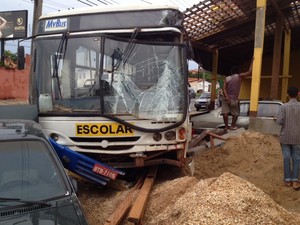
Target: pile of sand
<point>226,199</point>
<point>238,183</point>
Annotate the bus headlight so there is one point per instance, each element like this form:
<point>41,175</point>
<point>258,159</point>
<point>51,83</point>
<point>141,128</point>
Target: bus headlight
<point>157,136</point>
<point>170,135</point>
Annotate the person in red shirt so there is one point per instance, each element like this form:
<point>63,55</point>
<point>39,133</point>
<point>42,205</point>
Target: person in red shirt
<point>230,102</point>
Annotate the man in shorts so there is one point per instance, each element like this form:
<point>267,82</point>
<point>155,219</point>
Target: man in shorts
<point>230,102</point>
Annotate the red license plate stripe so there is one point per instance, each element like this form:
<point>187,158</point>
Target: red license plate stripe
<point>99,169</point>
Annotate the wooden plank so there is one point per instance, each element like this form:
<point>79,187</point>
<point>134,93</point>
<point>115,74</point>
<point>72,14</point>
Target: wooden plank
<point>198,139</point>
<point>217,136</point>
<point>123,208</point>
<point>230,133</point>
<point>137,210</point>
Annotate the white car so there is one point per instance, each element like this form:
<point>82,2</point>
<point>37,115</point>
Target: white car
<point>203,101</point>
<point>267,110</point>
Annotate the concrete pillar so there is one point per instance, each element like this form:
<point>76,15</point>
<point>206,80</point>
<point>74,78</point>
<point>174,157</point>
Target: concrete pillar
<point>276,58</point>
<point>258,52</point>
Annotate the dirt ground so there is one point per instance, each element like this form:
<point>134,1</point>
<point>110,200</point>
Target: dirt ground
<point>247,169</point>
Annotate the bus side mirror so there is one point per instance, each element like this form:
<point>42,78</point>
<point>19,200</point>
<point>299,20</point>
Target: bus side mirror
<point>21,58</point>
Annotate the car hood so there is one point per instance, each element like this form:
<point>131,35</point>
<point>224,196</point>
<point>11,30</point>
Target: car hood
<point>202,99</point>
<point>67,212</point>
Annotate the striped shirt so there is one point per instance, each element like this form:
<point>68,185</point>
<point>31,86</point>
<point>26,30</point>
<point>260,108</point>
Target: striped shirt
<point>289,119</point>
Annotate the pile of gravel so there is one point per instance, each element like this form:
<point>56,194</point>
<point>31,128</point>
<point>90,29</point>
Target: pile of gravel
<point>226,199</point>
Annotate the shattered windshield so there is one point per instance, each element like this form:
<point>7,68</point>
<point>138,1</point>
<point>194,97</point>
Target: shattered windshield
<point>109,76</point>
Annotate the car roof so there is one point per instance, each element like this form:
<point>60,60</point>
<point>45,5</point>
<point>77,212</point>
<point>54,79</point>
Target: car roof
<point>205,94</point>
<point>263,101</point>
<point>18,128</point>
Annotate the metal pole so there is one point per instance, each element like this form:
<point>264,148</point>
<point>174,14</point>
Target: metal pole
<point>37,12</point>
<point>2,51</point>
<point>214,78</point>
<point>286,65</point>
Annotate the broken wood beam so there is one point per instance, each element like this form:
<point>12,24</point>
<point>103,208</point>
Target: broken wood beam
<point>194,142</point>
<point>120,213</point>
<point>138,208</point>
<point>216,136</point>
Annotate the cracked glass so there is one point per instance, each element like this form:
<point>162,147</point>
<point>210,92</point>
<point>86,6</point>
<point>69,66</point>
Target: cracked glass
<point>103,75</point>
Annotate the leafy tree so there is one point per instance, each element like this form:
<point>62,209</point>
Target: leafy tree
<point>13,56</point>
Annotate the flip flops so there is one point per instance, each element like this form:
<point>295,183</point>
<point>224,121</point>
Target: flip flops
<point>233,128</point>
<point>288,183</point>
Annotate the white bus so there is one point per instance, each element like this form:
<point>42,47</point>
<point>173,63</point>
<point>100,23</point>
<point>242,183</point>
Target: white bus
<point>111,83</point>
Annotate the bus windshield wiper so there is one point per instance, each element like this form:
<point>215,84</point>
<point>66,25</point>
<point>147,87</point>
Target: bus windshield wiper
<point>30,202</point>
<point>128,50</point>
<point>61,51</point>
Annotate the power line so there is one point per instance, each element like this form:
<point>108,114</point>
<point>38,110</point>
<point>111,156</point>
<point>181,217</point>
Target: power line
<point>91,2</point>
<point>190,2</point>
<point>48,7</point>
<point>146,2</point>
<point>102,2</point>
<point>50,2</point>
<point>114,2</point>
<point>187,3</point>
<point>84,2</point>
<point>179,3</point>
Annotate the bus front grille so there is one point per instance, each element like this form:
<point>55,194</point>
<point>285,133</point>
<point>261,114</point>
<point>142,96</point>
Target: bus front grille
<point>109,139</point>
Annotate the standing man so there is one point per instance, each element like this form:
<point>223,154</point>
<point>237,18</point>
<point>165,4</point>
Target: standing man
<point>230,102</point>
<point>288,118</point>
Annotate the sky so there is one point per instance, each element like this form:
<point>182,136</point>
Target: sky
<point>56,5</point>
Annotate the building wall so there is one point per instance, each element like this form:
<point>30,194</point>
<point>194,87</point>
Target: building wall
<point>265,83</point>
<point>14,83</point>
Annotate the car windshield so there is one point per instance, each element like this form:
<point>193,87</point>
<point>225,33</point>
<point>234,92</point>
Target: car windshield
<point>265,109</point>
<point>28,172</point>
<point>205,95</point>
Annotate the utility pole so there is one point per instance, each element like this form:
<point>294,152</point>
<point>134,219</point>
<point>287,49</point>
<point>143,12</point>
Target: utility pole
<point>2,50</point>
<point>37,12</point>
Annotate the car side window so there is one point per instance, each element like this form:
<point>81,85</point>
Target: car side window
<point>268,110</point>
<point>27,171</point>
<point>244,109</point>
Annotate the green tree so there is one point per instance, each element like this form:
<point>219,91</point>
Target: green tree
<point>13,56</point>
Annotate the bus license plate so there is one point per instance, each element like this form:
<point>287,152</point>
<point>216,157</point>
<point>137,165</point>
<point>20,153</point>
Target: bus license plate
<point>105,171</point>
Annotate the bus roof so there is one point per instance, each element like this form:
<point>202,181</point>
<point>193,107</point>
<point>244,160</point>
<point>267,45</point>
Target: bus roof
<point>106,9</point>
